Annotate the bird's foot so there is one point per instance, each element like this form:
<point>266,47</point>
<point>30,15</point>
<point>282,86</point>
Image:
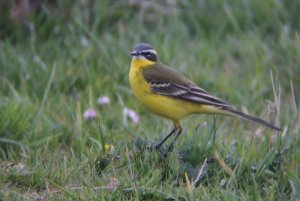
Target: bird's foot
<point>164,151</point>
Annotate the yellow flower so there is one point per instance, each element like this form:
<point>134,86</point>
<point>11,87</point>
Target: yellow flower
<point>109,147</point>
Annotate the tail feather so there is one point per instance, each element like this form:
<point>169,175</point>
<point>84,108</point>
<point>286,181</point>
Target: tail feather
<point>254,119</point>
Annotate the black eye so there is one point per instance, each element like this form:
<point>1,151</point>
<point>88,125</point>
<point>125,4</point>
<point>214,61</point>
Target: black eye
<point>150,56</point>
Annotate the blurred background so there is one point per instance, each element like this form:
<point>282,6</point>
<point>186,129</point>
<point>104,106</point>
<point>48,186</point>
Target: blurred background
<point>58,57</point>
<point>183,32</point>
<point>229,48</point>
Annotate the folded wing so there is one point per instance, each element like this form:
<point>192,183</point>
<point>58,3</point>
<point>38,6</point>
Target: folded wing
<point>188,93</point>
<point>168,82</point>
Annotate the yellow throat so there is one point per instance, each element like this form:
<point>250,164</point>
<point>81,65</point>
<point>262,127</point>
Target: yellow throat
<point>137,82</point>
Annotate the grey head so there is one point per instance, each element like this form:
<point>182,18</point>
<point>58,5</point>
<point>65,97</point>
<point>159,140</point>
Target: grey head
<point>145,51</point>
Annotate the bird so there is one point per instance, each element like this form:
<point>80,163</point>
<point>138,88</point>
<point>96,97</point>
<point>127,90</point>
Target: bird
<point>168,93</point>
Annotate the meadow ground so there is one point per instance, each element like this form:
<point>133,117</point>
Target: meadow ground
<point>56,62</point>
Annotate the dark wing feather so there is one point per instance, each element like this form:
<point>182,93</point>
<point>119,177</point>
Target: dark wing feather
<point>168,82</point>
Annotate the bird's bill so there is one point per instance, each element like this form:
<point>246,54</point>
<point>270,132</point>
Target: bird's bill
<point>134,53</point>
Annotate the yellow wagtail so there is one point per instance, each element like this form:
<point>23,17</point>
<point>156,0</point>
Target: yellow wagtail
<point>168,93</point>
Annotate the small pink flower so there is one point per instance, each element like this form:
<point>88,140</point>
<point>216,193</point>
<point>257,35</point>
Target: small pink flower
<point>131,114</point>
<point>103,100</point>
<point>90,114</point>
<point>84,41</point>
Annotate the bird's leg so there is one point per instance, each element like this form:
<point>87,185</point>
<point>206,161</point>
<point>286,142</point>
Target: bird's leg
<point>167,137</point>
<point>170,147</point>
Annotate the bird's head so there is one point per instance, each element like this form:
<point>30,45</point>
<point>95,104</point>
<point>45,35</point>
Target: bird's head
<point>144,52</point>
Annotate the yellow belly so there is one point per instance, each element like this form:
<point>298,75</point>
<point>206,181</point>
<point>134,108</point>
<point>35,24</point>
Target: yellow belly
<point>171,108</point>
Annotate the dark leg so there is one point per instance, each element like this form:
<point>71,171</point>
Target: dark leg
<point>167,137</point>
<point>171,145</point>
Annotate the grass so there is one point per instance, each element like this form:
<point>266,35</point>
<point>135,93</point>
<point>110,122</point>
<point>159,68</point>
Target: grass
<point>246,52</point>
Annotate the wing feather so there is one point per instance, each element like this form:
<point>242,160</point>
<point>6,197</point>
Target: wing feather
<point>168,82</point>
<point>185,93</point>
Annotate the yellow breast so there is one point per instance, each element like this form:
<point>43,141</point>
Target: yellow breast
<point>162,105</point>
<point>139,86</point>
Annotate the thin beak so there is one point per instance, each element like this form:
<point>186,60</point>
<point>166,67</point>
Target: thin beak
<point>134,53</point>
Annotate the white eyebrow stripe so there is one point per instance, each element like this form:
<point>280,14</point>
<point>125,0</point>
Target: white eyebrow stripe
<point>146,51</point>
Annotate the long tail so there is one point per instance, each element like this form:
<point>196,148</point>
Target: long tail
<point>254,119</point>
